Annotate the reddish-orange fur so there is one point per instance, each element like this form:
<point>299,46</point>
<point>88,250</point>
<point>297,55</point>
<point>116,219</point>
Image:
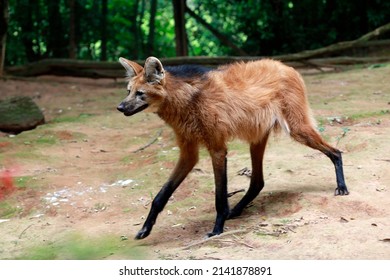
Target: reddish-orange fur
<point>241,100</point>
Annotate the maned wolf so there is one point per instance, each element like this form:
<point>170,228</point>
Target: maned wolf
<point>210,107</point>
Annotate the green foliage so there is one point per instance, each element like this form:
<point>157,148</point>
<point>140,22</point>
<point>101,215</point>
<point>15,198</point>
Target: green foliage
<point>42,28</point>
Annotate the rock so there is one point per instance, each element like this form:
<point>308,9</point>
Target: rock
<point>18,114</point>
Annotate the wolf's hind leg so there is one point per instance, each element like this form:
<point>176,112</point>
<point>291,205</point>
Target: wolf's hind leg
<point>257,178</point>
<point>308,136</point>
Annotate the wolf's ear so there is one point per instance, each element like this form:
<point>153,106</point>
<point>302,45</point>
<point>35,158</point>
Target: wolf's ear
<point>154,71</point>
<point>132,68</point>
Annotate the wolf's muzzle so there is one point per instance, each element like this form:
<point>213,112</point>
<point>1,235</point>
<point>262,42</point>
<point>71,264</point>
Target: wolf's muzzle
<point>130,110</point>
<point>121,108</point>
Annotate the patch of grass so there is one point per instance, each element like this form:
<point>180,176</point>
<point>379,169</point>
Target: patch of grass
<point>79,247</point>
<point>27,155</point>
<point>46,140</point>
<point>36,137</point>
<point>169,154</point>
<point>378,65</point>
<point>100,206</point>
<point>238,146</point>
<point>285,221</point>
<point>22,182</point>
<point>343,134</point>
<point>364,115</point>
<point>71,119</point>
<point>8,211</point>
<point>128,159</point>
<point>26,182</point>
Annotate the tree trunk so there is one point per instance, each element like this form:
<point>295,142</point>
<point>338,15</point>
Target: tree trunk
<point>180,28</point>
<point>103,29</point>
<point>99,69</point>
<point>150,44</point>
<point>56,44</point>
<point>27,26</point>
<point>72,30</point>
<point>338,47</point>
<point>137,18</point>
<point>3,32</point>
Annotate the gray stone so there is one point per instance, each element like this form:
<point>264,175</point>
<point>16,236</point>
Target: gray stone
<point>18,114</point>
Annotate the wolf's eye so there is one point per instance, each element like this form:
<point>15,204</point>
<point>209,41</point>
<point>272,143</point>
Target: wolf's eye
<point>139,93</point>
<point>128,92</point>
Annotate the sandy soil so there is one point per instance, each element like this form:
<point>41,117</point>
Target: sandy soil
<point>83,192</point>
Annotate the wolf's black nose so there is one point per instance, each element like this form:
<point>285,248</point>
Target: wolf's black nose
<point>121,108</point>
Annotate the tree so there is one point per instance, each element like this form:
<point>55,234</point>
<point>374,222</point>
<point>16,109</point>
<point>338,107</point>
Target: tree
<point>135,28</point>
<point>72,29</point>
<point>3,32</point>
<point>27,27</point>
<point>180,27</point>
<point>150,44</point>
<point>56,43</point>
<point>103,29</point>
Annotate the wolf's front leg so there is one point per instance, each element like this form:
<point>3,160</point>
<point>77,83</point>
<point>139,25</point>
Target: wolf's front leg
<point>188,158</point>
<point>221,196</point>
<point>158,205</point>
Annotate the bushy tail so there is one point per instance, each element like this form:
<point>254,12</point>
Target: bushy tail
<point>298,116</point>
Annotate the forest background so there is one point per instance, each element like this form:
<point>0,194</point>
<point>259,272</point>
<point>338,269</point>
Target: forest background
<point>106,29</point>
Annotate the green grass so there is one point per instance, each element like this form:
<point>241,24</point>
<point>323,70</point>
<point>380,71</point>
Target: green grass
<point>79,247</point>
<point>127,159</point>
<point>35,137</point>
<point>23,182</point>
<point>7,210</point>
<point>71,119</point>
<point>364,115</point>
<point>26,182</point>
<point>47,140</point>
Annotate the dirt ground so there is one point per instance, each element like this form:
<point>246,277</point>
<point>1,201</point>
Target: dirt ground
<point>84,184</point>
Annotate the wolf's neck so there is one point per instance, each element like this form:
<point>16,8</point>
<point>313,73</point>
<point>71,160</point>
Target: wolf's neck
<point>179,106</point>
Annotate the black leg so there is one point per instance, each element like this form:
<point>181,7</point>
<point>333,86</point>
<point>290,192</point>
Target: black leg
<point>188,159</point>
<point>257,179</point>
<point>309,137</point>
<point>338,165</point>
<point>158,205</point>
<point>221,196</point>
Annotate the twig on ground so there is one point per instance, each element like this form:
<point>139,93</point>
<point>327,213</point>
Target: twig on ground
<point>21,234</point>
<point>151,142</point>
<point>216,237</point>
<point>235,192</point>
<point>379,159</point>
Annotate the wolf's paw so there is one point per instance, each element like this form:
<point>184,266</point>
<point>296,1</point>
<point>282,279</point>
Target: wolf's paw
<point>144,232</point>
<point>342,190</point>
<point>211,234</point>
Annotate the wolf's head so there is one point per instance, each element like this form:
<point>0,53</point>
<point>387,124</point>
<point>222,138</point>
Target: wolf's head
<point>145,88</point>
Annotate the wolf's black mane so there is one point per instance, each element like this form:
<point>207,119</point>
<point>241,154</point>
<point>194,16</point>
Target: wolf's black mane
<point>187,71</point>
